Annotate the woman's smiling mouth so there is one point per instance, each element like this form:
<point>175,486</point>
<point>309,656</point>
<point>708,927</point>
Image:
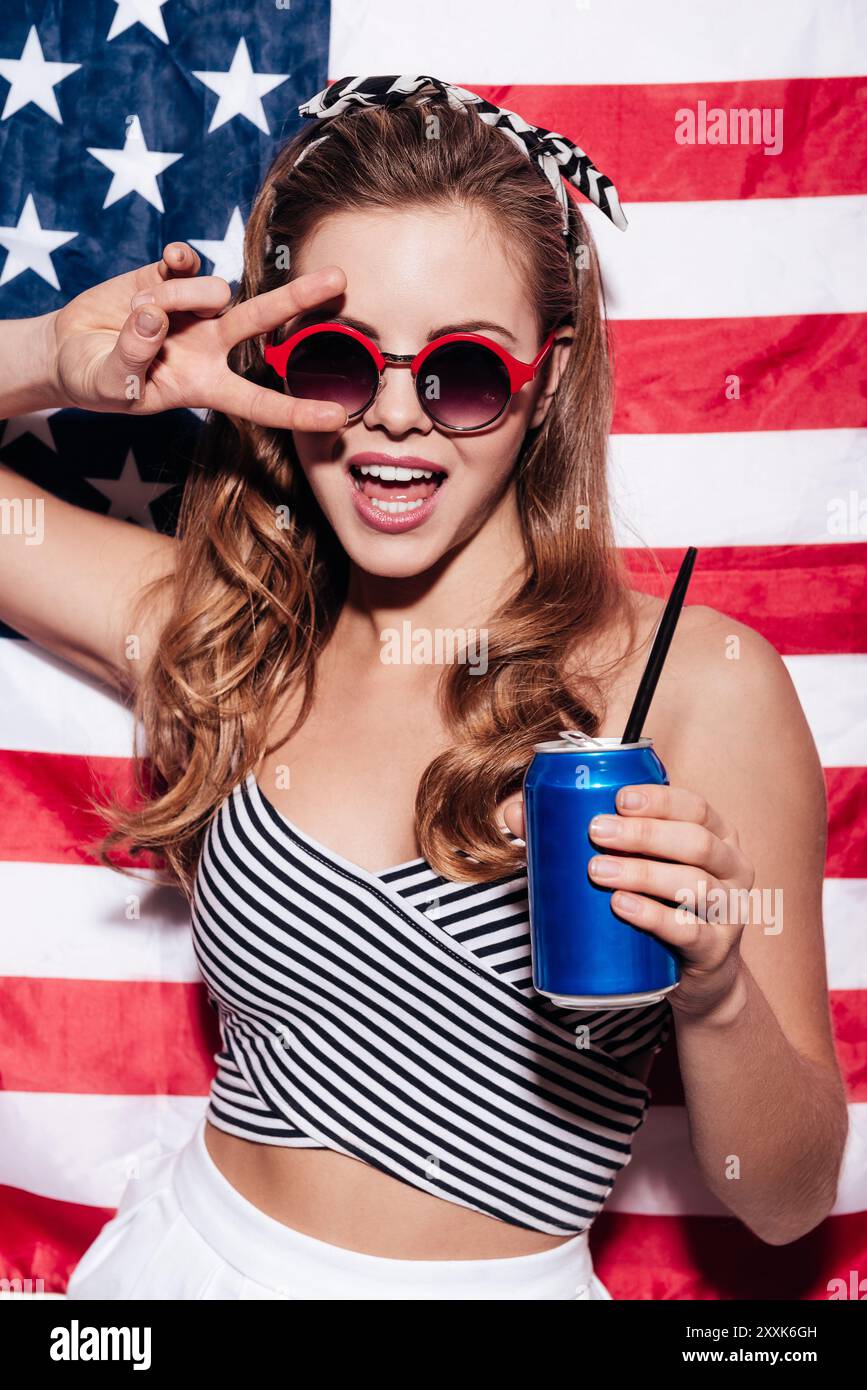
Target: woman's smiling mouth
<point>394,494</point>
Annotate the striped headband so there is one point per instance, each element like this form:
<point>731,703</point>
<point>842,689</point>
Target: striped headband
<point>555,156</point>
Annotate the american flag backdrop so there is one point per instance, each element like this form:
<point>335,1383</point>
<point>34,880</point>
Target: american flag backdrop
<point>738,299</point>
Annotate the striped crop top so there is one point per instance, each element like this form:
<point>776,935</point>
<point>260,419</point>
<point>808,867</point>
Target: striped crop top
<point>392,1017</point>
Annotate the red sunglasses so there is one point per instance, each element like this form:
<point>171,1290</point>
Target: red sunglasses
<point>467,383</point>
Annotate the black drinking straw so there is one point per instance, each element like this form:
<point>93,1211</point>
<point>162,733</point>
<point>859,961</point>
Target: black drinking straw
<point>659,650</point>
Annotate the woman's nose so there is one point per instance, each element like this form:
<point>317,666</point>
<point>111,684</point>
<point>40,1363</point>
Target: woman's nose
<point>396,406</point>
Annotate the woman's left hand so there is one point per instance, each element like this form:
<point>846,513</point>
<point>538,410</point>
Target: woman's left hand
<point>694,861</point>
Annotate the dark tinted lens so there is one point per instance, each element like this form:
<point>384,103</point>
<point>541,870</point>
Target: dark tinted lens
<point>464,385</point>
<point>332,367</point>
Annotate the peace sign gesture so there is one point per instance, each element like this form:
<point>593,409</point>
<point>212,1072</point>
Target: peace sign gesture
<point>157,338</point>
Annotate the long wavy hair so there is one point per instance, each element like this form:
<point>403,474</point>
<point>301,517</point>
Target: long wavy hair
<point>253,600</point>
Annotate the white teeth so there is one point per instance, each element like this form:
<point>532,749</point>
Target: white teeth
<point>393,474</point>
<point>395,507</point>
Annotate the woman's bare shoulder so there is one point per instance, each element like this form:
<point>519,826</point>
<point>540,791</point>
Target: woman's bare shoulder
<point>723,673</point>
<point>718,671</point>
<point>702,632</point>
<point>726,718</point>
<point>722,660</point>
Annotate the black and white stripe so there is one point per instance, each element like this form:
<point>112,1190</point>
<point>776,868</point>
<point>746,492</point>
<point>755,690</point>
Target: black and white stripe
<point>391,1017</point>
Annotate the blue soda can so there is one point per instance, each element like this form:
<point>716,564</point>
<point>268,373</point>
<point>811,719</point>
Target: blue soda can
<point>584,955</point>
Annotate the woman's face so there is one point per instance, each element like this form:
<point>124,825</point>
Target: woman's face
<point>411,275</point>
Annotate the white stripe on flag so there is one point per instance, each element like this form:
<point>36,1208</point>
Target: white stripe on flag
<point>77,1148</point>
<point>844,908</point>
<point>762,487</point>
<point>735,258</point>
<point>574,41</point>
<point>47,706</point>
<point>833,693</point>
<point>69,922</point>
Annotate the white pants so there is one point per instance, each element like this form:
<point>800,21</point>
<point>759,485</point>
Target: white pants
<point>182,1231</point>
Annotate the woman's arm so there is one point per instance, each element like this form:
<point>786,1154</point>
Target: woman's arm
<point>70,578</point>
<point>767,1124</point>
<point>743,822</point>
<point>766,1102</point>
<point>26,357</point>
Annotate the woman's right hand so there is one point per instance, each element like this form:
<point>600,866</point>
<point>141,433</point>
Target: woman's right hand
<point>157,338</point>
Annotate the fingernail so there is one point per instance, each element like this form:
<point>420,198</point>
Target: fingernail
<point>148,324</point>
<point>604,868</point>
<point>143,297</point>
<point>627,902</point>
<point>631,800</point>
<point>606,827</point>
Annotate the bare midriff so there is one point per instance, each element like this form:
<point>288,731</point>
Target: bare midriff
<point>346,1202</point>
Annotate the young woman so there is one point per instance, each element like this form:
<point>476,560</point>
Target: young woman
<point>397,1113</point>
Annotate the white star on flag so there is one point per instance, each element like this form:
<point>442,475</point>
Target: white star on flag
<point>228,254</point>
<point>135,167</point>
<point>32,79</point>
<point>130,496</point>
<point>240,90</point>
<point>30,246</point>
<point>36,424</point>
<point>146,12</point>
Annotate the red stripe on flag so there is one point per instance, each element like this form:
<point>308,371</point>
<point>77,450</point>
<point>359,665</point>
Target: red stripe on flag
<point>803,372</point>
<point>107,1037</point>
<point>807,600</point>
<point>849,1026</point>
<point>629,129</point>
<point>43,1238</point>
<point>44,812</point>
<point>718,1257</point>
<point>847,822</point>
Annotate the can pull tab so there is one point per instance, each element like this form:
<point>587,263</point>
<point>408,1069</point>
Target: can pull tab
<point>580,739</point>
